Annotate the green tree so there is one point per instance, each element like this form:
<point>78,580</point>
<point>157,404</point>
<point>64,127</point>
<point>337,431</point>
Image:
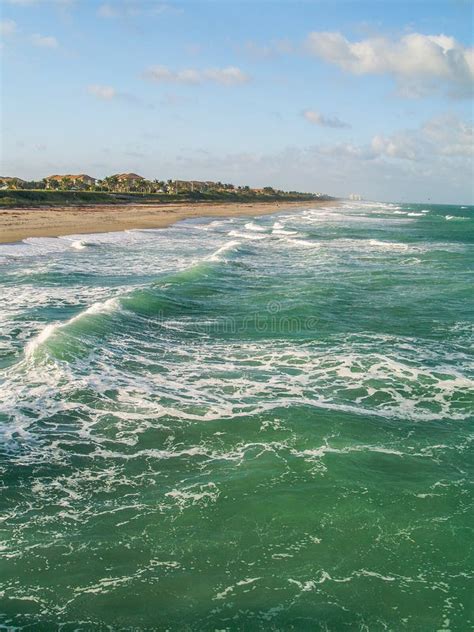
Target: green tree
<point>110,183</point>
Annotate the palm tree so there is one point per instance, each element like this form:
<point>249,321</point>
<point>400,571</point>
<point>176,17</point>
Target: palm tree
<point>65,183</point>
<point>111,183</point>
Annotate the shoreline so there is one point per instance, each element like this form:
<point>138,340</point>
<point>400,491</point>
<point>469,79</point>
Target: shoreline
<point>17,224</point>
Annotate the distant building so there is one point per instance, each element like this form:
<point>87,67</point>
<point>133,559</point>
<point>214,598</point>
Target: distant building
<point>193,185</point>
<point>355,197</point>
<point>6,182</point>
<point>74,181</point>
<point>129,179</point>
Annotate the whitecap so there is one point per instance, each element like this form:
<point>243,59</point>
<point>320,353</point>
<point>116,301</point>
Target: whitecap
<point>387,245</point>
<point>97,308</point>
<point>216,256</point>
<point>255,227</point>
<point>78,244</point>
<point>249,235</point>
<point>303,242</point>
<point>280,231</point>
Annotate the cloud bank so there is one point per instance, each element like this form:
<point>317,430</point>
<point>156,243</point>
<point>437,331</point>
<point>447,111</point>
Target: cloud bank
<point>428,161</point>
<point>419,63</point>
<point>444,136</point>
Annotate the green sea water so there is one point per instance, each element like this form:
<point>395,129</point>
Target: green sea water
<point>240,424</point>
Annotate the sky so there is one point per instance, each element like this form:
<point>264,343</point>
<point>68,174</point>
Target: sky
<point>340,97</point>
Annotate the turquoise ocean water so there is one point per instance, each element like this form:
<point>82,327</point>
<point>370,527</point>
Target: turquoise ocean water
<point>240,424</point>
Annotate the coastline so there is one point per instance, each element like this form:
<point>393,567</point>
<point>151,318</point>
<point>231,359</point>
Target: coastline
<point>17,224</point>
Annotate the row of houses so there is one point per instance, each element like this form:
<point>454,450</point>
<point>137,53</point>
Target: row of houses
<point>129,182</point>
<point>79,181</point>
<point>82,180</point>
<point>76,181</point>
<point>119,181</point>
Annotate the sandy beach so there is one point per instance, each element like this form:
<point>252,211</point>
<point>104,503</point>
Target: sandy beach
<point>19,223</point>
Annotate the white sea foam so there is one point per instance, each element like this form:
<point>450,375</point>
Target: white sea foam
<point>238,380</point>
<point>387,245</point>
<point>230,590</point>
<point>33,246</point>
<point>197,494</point>
<point>47,246</point>
<point>318,453</point>
<point>373,246</point>
<point>345,214</point>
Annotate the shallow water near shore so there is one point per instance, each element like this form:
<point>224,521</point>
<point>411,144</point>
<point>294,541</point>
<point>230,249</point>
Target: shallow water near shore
<point>241,424</point>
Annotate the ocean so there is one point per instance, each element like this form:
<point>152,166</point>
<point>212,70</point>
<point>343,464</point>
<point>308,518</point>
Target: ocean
<point>241,424</point>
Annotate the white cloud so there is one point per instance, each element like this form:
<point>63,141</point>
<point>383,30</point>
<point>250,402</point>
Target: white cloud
<point>419,63</point>
<point>347,150</point>
<point>225,76</point>
<point>229,76</point>
<point>316,118</point>
<point>44,41</point>
<point>441,137</point>
<point>105,93</point>
<point>453,136</point>
<point>403,145</point>
<point>7,28</point>
<point>109,93</point>
<point>134,8</point>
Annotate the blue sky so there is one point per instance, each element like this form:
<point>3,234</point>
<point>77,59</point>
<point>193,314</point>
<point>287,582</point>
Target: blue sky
<point>367,97</point>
